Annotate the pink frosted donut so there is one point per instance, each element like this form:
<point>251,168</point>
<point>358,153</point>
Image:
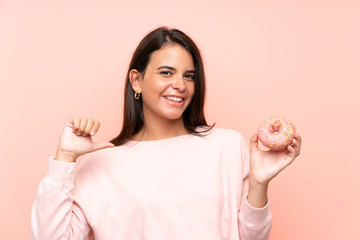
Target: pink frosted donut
<point>276,133</point>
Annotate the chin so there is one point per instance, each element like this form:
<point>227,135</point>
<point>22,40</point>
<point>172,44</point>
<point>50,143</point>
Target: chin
<point>173,115</point>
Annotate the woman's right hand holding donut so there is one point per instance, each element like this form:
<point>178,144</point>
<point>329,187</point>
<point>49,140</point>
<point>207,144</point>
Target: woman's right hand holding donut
<point>76,139</point>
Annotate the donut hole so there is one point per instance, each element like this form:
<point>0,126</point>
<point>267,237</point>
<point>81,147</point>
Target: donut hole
<point>275,127</point>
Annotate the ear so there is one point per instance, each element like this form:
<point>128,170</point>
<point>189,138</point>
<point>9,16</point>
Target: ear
<point>136,80</point>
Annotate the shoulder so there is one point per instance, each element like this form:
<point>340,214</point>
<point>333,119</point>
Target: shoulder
<point>224,138</point>
<point>230,143</point>
<point>226,135</point>
<point>93,169</point>
<point>95,161</point>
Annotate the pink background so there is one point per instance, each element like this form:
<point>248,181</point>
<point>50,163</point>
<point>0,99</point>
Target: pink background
<point>298,59</point>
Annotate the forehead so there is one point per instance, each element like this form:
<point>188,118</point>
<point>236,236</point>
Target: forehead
<point>172,55</point>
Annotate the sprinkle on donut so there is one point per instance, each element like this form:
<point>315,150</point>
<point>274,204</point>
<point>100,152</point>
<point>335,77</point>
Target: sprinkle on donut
<point>276,133</point>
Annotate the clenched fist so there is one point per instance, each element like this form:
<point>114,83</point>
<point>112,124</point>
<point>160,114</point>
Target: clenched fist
<point>76,139</point>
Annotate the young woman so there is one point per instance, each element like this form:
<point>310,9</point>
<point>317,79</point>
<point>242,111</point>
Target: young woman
<point>168,174</point>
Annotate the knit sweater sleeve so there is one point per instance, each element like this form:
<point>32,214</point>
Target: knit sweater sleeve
<point>254,223</point>
<point>57,212</point>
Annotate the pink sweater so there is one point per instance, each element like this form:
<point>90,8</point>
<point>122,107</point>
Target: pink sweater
<point>186,187</point>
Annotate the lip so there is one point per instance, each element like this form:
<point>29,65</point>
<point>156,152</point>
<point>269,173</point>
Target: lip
<point>178,96</point>
<point>173,103</point>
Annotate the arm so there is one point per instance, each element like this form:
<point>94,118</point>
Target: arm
<point>254,221</point>
<point>57,211</point>
<point>264,166</point>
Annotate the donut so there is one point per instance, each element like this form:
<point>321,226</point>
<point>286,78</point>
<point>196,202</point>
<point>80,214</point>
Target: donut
<point>276,133</point>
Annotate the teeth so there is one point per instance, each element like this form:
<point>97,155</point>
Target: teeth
<point>175,99</point>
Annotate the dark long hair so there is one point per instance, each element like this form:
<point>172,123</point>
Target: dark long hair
<point>193,116</point>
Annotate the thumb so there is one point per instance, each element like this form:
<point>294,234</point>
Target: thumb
<point>70,124</point>
<point>254,142</point>
<point>98,146</point>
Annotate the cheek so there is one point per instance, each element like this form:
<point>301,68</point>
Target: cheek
<point>191,89</point>
<point>153,88</point>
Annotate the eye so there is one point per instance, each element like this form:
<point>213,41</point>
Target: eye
<point>165,73</point>
<point>192,77</point>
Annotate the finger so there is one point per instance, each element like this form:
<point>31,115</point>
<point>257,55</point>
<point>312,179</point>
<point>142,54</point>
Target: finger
<point>76,123</point>
<point>298,144</point>
<point>89,125</point>
<point>70,123</point>
<point>291,149</point>
<point>98,146</point>
<point>254,142</point>
<point>287,159</point>
<point>298,138</point>
<point>82,126</point>
<point>293,152</point>
<point>294,142</point>
<point>95,128</point>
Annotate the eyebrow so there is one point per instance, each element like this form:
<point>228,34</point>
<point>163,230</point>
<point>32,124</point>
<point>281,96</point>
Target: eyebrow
<point>174,69</point>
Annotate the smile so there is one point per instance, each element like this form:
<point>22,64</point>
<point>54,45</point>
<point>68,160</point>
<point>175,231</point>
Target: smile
<point>174,99</point>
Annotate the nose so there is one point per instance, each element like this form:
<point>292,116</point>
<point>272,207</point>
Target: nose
<point>178,83</point>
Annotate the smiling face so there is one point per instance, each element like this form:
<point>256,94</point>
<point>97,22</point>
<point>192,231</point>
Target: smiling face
<point>167,87</point>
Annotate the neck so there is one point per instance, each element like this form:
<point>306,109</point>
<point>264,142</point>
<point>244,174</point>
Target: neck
<point>160,128</point>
